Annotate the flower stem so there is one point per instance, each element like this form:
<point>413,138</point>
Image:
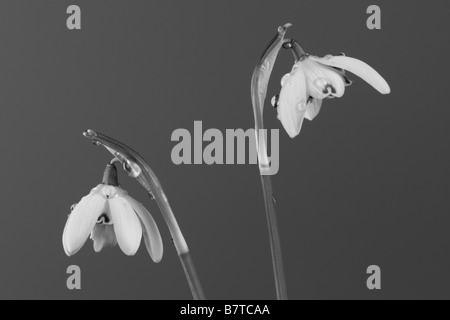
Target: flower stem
<point>181,246</point>
<point>274,237</point>
<point>297,50</point>
<point>260,80</point>
<point>139,169</point>
<point>191,275</point>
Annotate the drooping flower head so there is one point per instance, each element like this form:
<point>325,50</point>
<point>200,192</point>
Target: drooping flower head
<point>110,216</point>
<point>313,79</point>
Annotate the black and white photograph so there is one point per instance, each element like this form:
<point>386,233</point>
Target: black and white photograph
<point>240,152</point>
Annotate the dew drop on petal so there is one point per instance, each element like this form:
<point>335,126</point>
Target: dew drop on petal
<point>274,101</point>
<point>321,83</point>
<point>301,105</point>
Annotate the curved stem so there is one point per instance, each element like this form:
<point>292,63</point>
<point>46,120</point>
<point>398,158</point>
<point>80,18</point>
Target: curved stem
<point>297,50</point>
<point>260,80</point>
<point>139,169</point>
<point>274,237</point>
<point>114,161</point>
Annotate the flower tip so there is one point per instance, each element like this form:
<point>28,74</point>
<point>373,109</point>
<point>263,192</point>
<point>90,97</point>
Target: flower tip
<point>68,252</point>
<point>156,260</point>
<point>382,86</point>
<point>128,254</point>
<point>64,243</point>
<point>293,126</point>
<point>67,249</point>
<point>291,130</point>
<point>293,134</point>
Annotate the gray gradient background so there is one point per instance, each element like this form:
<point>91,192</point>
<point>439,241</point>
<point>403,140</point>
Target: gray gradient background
<point>366,182</point>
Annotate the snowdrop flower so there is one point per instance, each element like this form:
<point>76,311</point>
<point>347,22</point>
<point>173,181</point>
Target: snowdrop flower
<point>110,216</point>
<point>313,79</point>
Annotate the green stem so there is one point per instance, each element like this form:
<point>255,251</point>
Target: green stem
<point>139,169</point>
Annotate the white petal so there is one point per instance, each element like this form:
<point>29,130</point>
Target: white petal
<point>313,109</point>
<point>358,67</point>
<point>82,221</point>
<point>152,237</point>
<point>110,236</point>
<point>126,224</point>
<point>103,236</point>
<point>66,250</point>
<point>292,102</point>
<point>322,81</point>
<point>337,81</point>
<point>97,236</point>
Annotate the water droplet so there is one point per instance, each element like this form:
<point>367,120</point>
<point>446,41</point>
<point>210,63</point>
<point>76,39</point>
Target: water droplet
<point>321,83</point>
<point>265,66</point>
<point>275,101</point>
<point>287,45</point>
<point>301,105</point>
<point>96,143</point>
<point>131,168</point>
<point>90,133</point>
